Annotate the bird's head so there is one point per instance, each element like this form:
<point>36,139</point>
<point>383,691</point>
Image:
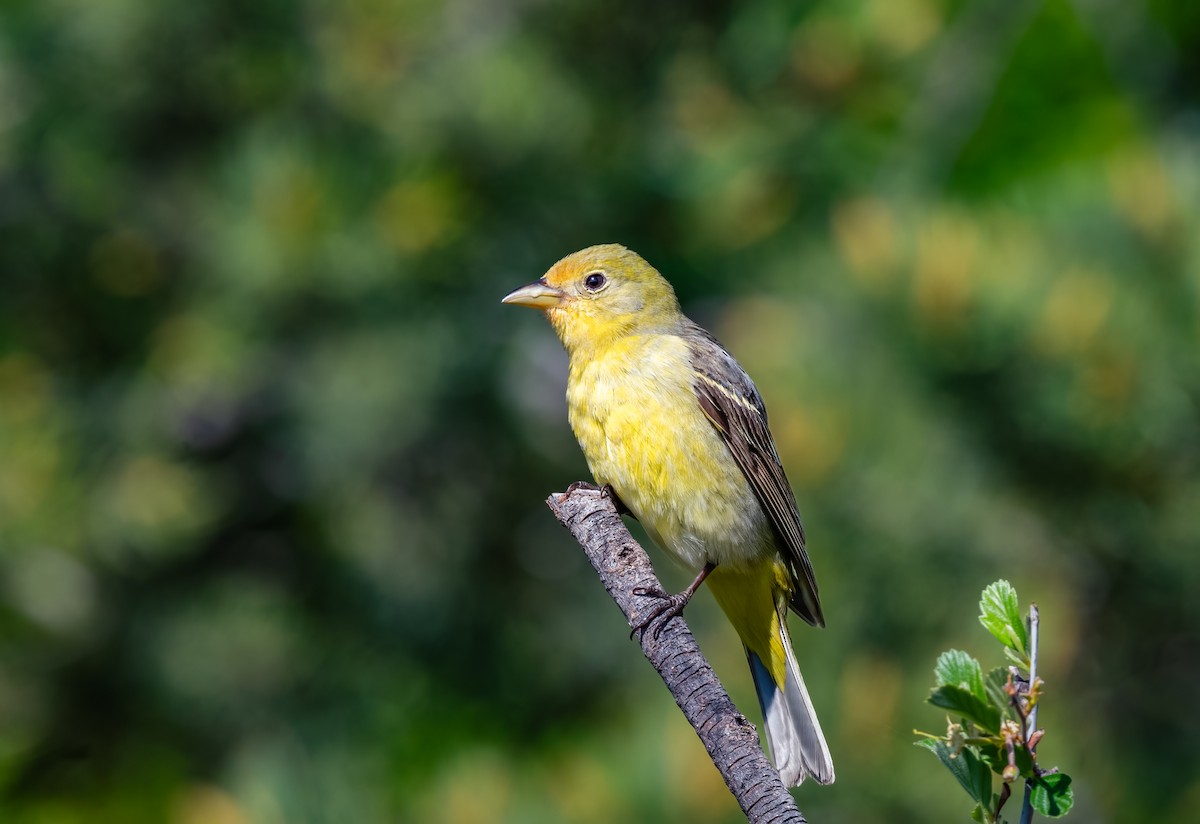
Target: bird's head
<point>600,294</point>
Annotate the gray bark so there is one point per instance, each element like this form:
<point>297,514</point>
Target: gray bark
<point>731,740</point>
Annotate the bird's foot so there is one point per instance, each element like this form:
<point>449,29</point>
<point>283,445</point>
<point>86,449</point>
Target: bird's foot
<point>668,607</point>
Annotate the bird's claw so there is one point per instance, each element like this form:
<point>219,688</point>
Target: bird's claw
<point>606,490</point>
<point>668,607</point>
<point>585,485</point>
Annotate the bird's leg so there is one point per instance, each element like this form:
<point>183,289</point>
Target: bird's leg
<point>668,606</point>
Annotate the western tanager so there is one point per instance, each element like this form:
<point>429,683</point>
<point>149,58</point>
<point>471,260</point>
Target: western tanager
<point>669,420</point>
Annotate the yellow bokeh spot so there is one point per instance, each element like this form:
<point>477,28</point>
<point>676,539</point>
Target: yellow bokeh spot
<point>702,107</point>
<point>152,503</point>
<point>766,334</point>
<point>1109,379</point>
<point>1141,189</point>
<point>692,782</point>
<point>903,26</point>
<point>291,202</point>
<point>1074,314</point>
<point>825,53</point>
<point>149,491</point>
<point>476,788</point>
<point>870,694</point>
<point>583,791</point>
<point>810,442</point>
<point>865,233</point>
<point>367,46</point>
<point>748,207</point>
<point>414,215</point>
<point>206,804</point>
<point>30,439</point>
<point>947,254</point>
<point>193,350</point>
<point>24,388</point>
<point>770,339</point>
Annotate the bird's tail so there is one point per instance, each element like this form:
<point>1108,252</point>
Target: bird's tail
<point>794,736</point>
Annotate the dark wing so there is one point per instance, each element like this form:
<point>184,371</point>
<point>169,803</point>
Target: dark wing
<point>730,401</point>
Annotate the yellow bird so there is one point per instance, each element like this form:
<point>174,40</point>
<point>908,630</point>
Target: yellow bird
<point>669,420</point>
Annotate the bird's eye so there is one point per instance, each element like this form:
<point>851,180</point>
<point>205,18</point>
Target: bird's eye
<point>594,282</point>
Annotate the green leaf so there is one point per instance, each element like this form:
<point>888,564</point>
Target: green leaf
<point>931,744</point>
<point>1052,795</point>
<point>957,668</point>
<point>994,756</point>
<point>1018,658</point>
<point>1001,616</point>
<point>994,684</point>
<point>1023,759</point>
<point>962,702</point>
<point>972,774</point>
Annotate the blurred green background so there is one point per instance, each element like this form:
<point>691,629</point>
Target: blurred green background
<point>273,456</point>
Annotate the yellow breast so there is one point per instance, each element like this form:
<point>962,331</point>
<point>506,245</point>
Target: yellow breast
<point>635,414</point>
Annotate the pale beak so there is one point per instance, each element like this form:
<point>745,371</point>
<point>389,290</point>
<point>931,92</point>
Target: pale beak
<point>539,295</point>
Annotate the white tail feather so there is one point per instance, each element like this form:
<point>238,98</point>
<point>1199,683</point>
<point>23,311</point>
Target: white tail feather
<point>794,738</point>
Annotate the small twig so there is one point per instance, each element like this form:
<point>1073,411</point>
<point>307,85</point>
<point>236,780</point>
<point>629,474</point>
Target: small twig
<point>1018,690</point>
<point>1005,791</point>
<point>729,737</point>
<point>1031,727</point>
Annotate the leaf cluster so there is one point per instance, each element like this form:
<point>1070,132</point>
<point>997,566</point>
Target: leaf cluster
<point>989,724</point>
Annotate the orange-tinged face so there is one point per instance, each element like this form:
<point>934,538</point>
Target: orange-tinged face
<point>600,293</point>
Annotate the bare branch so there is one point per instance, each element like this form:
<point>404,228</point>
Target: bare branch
<point>731,740</point>
<point>1031,729</point>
